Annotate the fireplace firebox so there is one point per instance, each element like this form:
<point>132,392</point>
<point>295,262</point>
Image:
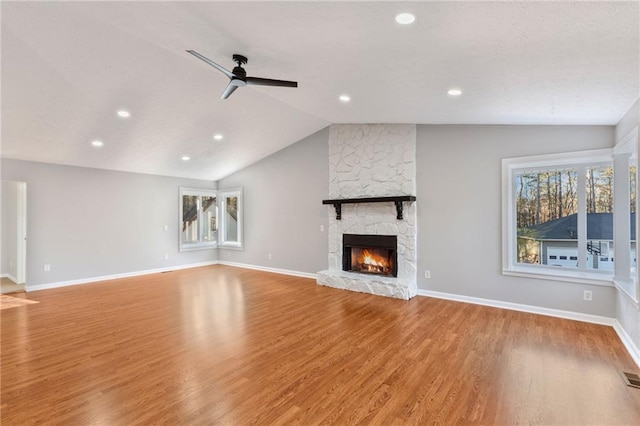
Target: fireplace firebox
<point>370,254</point>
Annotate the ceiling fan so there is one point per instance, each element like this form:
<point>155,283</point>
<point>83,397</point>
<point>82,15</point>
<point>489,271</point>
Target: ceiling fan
<point>238,77</point>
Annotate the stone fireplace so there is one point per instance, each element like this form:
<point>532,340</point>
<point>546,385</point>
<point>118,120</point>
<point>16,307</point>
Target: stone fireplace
<point>372,245</point>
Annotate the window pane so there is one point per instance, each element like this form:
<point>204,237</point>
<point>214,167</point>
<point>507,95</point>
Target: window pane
<point>600,218</point>
<point>209,226</point>
<point>546,217</point>
<point>189,219</point>
<point>632,198</point>
<point>231,220</point>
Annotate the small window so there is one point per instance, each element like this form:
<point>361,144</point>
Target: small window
<point>563,257</point>
<point>231,219</point>
<point>553,257</point>
<point>198,219</point>
<point>573,258</point>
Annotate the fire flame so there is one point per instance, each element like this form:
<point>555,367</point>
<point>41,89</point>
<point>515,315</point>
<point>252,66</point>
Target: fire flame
<point>369,260</point>
<point>373,261</point>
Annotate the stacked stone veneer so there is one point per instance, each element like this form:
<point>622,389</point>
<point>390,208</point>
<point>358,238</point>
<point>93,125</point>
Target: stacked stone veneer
<point>372,160</point>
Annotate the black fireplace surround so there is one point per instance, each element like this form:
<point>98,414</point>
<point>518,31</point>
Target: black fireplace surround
<point>384,245</point>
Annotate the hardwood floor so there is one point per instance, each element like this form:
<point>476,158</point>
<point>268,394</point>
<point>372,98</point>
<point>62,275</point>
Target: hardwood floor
<point>8,287</point>
<point>223,345</point>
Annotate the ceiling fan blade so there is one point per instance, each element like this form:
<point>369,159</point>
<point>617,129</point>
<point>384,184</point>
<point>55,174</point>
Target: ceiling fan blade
<point>229,90</point>
<point>257,81</point>
<point>213,64</point>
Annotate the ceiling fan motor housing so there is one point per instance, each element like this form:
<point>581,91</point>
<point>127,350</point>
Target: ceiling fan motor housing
<point>239,72</point>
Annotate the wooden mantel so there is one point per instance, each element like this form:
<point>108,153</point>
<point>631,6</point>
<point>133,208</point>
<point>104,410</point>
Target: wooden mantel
<point>398,200</point>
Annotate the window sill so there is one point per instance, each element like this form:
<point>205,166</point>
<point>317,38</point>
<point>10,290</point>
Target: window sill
<point>628,288</point>
<point>577,277</point>
<point>198,247</point>
<point>230,246</point>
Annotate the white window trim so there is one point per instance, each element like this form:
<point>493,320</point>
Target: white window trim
<point>540,162</point>
<point>222,227</point>
<point>199,245</point>
<point>628,146</point>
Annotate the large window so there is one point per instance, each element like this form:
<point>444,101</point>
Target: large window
<point>198,219</point>
<point>559,215</point>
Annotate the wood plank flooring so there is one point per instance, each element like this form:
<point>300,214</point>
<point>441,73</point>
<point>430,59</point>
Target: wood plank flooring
<point>7,286</point>
<point>230,346</point>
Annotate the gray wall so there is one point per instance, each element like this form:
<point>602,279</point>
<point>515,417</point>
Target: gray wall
<point>628,122</point>
<point>459,210</point>
<point>9,228</point>
<point>89,223</point>
<point>460,217</point>
<point>283,208</point>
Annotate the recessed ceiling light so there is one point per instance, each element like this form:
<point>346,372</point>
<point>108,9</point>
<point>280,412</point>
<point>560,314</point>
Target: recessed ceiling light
<point>218,137</point>
<point>454,92</point>
<point>344,98</point>
<point>186,158</point>
<point>97,143</point>
<point>405,18</point>
<point>124,114</point>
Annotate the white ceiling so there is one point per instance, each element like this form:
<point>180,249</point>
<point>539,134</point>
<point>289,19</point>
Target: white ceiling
<point>67,67</point>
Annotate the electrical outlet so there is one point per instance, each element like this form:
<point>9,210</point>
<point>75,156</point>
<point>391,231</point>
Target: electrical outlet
<point>587,295</point>
<point>321,228</point>
<point>47,267</point>
<point>427,274</point>
<point>166,256</point>
<point>269,256</point>
<point>166,227</point>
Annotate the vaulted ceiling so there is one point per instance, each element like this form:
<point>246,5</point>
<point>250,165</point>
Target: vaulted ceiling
<point>69,67</point>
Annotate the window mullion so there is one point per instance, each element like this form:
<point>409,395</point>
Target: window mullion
<point>621,214</point>
<point>199,219</point>
<point>511,230</point>
<point>222,228</point>
<point>582,218</point>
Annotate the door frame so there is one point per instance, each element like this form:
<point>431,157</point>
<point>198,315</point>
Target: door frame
<point>21,240</point>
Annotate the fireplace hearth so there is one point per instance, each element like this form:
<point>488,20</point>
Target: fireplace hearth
<point>370,254</point>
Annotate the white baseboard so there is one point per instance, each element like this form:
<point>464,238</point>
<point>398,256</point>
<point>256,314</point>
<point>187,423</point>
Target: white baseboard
<point>11,277</point>
<point>628,343</point>
<point>267,269</point>
<point>595,319</point>
<point>30,288</point>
